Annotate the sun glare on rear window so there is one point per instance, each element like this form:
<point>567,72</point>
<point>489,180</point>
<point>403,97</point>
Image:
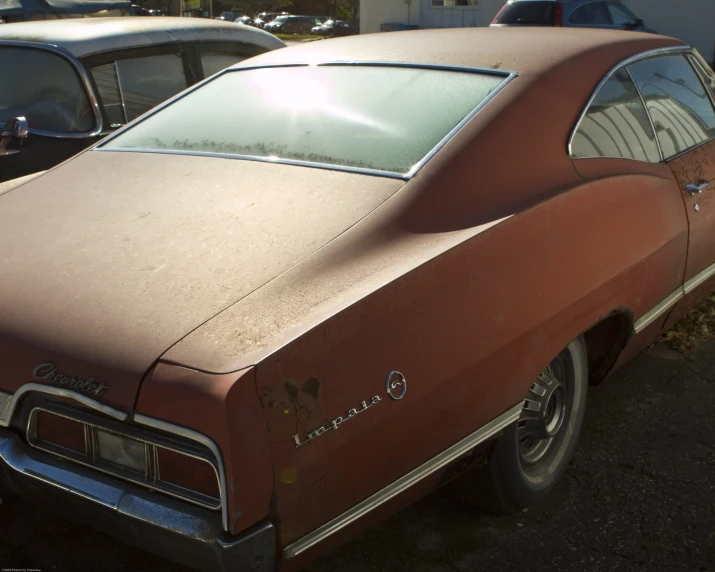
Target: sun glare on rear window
<point>367,117</point>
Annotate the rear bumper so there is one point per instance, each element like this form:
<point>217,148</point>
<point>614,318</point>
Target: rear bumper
<point>164,526</point>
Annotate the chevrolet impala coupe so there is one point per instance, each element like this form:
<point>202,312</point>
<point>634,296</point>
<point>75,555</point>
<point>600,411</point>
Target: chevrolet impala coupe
<point>314,287</point>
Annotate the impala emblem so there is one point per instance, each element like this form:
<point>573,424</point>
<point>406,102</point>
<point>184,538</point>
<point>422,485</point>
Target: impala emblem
<point>396,385</point>
<point>48,372</point>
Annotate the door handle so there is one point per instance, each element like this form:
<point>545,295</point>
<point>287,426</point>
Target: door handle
<point>695,189</point>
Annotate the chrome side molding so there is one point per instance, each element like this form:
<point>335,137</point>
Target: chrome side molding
<point>673,298</point>
<point>657,311</point>
<point>403,483</point>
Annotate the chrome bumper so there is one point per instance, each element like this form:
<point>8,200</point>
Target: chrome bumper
<point>164,526</point>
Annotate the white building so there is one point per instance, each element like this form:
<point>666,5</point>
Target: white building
<point>690,20</point>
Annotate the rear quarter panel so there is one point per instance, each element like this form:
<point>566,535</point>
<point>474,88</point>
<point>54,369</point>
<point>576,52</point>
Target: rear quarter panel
<point>470,329</point>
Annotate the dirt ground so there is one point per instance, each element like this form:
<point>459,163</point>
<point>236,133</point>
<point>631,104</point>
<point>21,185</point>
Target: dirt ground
<point>639,495</point>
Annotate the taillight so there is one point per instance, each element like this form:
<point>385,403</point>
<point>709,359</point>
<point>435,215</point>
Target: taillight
<point>60,431</point>
<point>559,15</point>
<point>129,454</point>
<point>494,21</point>
<point>187,472</point>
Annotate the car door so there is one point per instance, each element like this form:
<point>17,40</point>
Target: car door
<point>591,15</point>
<point>681,108</point>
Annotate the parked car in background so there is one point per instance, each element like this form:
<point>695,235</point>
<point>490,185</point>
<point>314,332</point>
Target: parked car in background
<point>247,20</point>
<point>579,13</point>
<point>292,25</point>
<point>71,82</point>
<point>231,16</point>
<point>267,17</point>
<point>326,281</point>
<point>333,29</point>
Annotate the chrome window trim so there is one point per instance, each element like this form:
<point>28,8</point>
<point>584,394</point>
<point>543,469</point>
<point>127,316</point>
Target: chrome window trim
<point>403,483</point>
<point>702,76</point>
<point>121,92</point>
<point>671,50</point>
<point>151,473</point>
<point>13,399</point>
<point>650,119</point>
<point>375,172</point>
<point>84,81</point>
<point>507,75</point>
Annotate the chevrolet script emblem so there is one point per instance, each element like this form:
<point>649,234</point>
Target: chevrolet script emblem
<point>48,372</point>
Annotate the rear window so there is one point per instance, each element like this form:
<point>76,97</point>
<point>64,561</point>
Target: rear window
<point>368,117</point>
<point>525,13</point>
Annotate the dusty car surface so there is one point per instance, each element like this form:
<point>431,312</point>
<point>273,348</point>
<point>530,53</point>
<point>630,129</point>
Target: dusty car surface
<point>326,281</point>
<point>67,83</point>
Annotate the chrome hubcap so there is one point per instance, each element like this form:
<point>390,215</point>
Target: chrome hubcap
<point>542,416</point>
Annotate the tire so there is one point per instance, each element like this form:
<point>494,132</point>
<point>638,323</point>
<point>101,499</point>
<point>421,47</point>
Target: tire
<point>532,454</point>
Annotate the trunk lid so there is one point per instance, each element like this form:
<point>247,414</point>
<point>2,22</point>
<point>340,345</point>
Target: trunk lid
<point>112,258</point>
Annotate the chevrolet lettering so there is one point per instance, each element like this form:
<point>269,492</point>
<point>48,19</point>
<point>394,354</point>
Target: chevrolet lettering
<point>48,372</point>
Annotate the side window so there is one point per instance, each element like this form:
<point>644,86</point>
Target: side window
<point>616,124</point>
<point>681,110</point>
<point>592,14</point>
<point>130,87</point>
<point>705,71</point>
<point>621,16</point>
<point>214,62</point>
<point>46,89</point>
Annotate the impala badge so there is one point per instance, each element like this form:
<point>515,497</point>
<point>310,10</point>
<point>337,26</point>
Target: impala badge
<point>48,372</point>
<point>396,387</point>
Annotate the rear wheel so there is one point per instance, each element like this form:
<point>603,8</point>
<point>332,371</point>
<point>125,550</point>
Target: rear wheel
<point>533,453</point>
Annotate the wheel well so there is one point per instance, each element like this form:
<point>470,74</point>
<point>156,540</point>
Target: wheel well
<point>604,342</point>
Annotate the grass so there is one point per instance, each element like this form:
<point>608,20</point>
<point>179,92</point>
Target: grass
<point>692,329</point>
<point>298,37</point>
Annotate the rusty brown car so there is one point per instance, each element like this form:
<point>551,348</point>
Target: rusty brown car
<point>316,286</point>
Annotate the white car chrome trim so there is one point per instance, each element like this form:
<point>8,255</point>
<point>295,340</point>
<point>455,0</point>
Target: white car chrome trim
<point>403,483</point>
<point>507,75</point>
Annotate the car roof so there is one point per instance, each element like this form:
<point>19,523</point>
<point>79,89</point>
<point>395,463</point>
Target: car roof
<point>525,50</point>
<point>86,36</point>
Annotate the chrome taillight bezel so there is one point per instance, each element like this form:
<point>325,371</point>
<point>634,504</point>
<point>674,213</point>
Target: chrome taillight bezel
<point>150,479</point>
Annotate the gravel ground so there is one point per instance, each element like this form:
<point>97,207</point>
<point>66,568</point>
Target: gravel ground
<point>639,495</point>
